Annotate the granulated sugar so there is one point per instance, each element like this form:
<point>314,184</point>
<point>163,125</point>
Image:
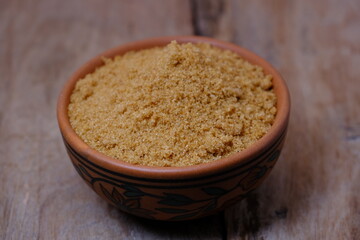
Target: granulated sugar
<point>178,105</point>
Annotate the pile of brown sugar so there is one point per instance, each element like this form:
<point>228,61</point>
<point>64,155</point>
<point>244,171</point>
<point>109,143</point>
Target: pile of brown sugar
<point>178,105</point>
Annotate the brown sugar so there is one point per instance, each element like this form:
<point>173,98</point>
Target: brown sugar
<point>178,105</point>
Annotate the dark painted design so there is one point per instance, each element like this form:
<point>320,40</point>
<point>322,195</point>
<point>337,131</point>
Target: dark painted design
<point>130,203</point>
<point>129,198</point>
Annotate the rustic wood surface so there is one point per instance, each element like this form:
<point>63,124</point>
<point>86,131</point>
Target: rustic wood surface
<point>314,191</point>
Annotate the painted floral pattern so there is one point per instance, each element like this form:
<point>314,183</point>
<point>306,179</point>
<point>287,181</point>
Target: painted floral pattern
<point>129,198</point>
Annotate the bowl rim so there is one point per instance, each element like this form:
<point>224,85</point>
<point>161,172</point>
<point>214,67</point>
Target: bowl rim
<point>186,172</point>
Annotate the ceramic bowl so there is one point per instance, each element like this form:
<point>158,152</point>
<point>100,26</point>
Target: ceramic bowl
<point>176,193</point>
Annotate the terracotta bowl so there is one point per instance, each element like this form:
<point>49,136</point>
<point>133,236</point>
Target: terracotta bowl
<point>176,193</point>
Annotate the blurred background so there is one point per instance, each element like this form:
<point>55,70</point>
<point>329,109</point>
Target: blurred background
<point>313,192</point>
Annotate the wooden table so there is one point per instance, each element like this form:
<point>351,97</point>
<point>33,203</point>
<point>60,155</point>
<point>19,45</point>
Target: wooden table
<point>314,191</point>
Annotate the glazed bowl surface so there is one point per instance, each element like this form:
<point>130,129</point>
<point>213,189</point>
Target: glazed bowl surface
<point>175,193</point>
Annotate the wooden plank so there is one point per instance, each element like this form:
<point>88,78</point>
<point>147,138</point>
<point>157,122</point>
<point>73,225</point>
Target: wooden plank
<point>213,18</point>
<point>313,193</point>
<point>42,43</point>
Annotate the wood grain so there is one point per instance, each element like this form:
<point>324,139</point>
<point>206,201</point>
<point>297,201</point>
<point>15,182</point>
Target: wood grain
<point>314,191</point>
<point>42,43</point>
